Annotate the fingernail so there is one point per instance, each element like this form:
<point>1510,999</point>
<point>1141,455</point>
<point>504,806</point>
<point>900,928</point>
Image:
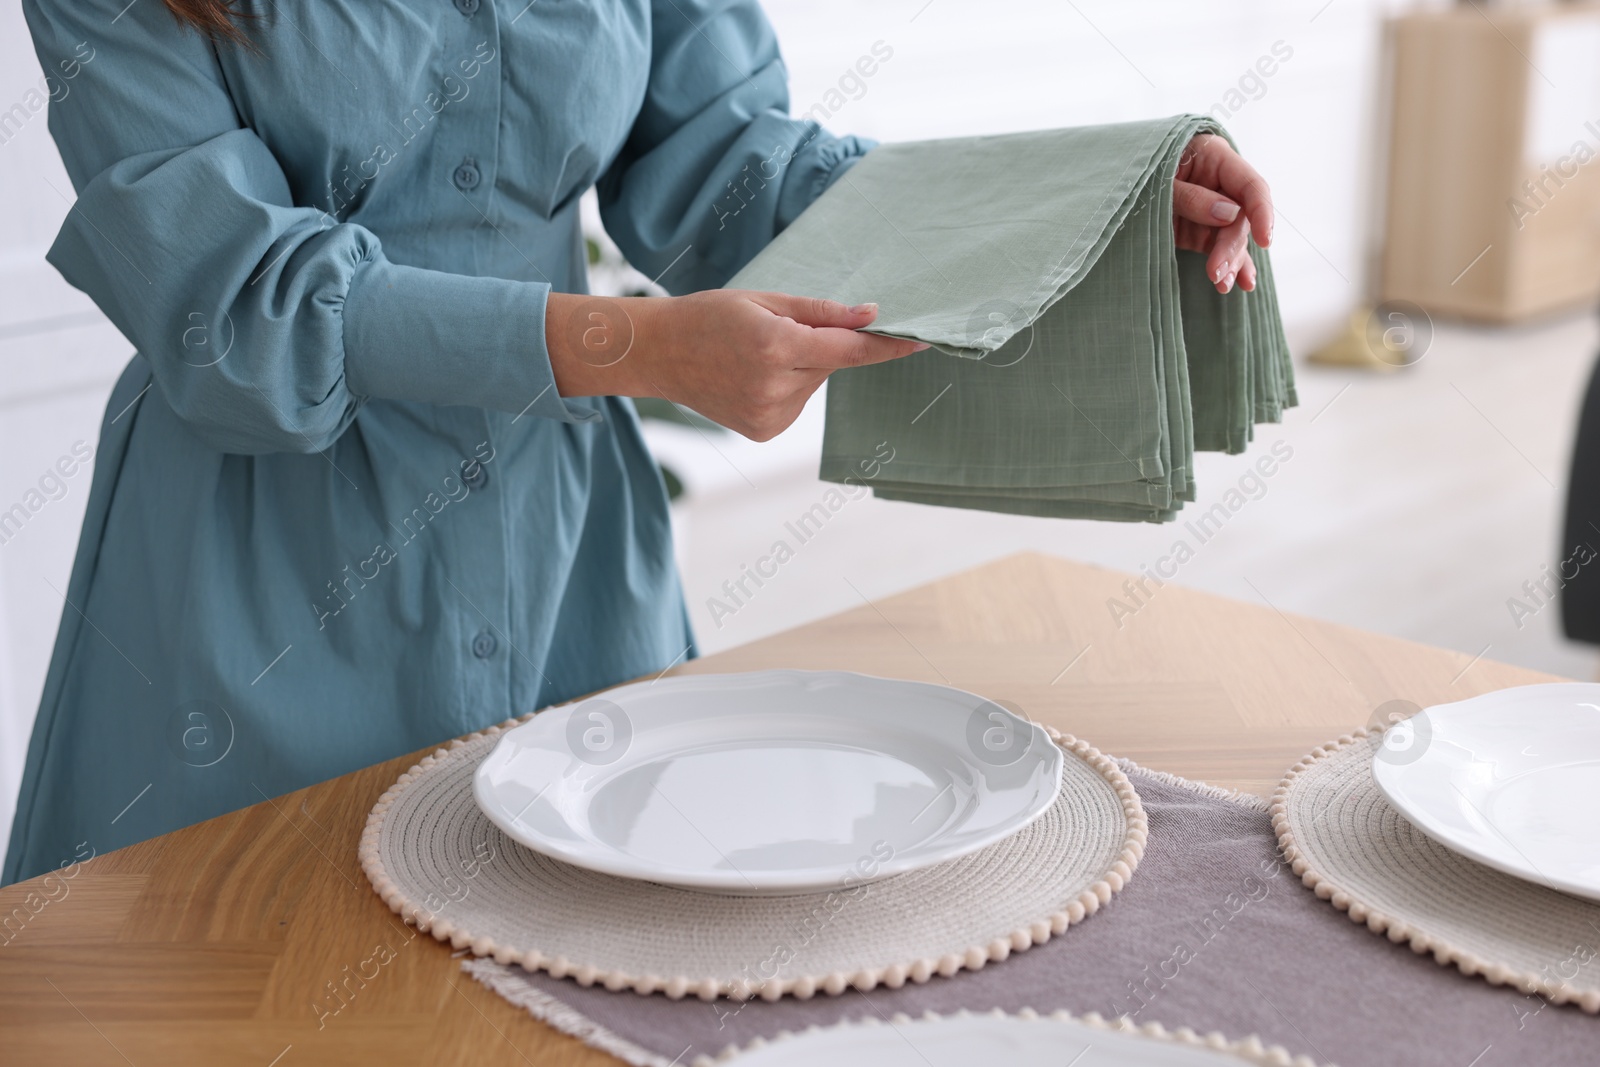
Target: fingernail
<point>1227,284</point>
<point>863,309</point>
<point>1223,211</point>
<point>921,345</point>
<point>1217,277</point>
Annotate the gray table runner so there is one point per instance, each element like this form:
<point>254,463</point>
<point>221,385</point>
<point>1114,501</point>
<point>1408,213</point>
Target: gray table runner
<point>1092,358</point>
<point>1259,954</point>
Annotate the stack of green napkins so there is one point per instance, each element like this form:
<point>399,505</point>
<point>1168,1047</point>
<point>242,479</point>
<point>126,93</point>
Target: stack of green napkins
<point>1091,358</point>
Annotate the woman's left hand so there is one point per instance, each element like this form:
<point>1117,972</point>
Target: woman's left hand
<point>1218,202</point>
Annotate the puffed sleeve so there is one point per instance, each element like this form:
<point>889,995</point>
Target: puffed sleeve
<point>714,167</point>
<point>186,235</point>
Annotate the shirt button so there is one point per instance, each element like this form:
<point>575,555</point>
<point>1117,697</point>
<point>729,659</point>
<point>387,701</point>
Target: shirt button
<point>475,474</point>
<point>484,644</point>
<point>466,175</point>
<point>467,7</point>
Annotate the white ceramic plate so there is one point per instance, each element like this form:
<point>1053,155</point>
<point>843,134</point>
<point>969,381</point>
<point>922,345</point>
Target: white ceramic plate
<point>966,1040</point>
<point>1510,778</point>
<point>770,782</point>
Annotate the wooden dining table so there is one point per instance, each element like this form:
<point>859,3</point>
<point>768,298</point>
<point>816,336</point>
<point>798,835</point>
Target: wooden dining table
<point>215,944</point>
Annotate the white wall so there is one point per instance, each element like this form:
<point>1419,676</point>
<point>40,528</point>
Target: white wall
<point>58,360</point>
<point>958,67</point>
<point>963,68</point>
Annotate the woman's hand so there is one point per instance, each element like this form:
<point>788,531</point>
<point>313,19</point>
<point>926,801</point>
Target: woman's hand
<point>1218,201</point>
<point>747,360</point>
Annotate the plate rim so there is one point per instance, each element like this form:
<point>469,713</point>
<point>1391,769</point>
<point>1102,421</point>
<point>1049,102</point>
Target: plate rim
<point>1425,822</point>
<point>765,883</point>
<point>1248,1050</point>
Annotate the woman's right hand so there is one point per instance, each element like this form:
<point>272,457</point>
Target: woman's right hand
<point>746,360</point>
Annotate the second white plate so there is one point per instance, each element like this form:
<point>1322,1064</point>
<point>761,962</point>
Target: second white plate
<point>1509,778</point>
<point>773,782</point>
<point>963,1040</point>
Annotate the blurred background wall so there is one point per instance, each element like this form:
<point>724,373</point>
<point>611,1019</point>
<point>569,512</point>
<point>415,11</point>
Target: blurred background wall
<point>1418,502</point>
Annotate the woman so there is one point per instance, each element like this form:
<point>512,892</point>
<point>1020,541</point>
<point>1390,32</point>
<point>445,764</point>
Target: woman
<point>368,483</point>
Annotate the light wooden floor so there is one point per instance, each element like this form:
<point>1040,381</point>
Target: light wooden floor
<point>1416,504</point>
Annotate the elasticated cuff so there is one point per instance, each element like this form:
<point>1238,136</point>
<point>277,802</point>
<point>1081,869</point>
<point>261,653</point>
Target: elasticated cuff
<point>820,162</point>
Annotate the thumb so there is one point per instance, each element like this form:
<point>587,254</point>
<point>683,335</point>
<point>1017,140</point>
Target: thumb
<point>816,311</point>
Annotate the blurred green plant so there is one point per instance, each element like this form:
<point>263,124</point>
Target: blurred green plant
<point>651,407</point>
<point>610,274</point>
<point>674,484</point>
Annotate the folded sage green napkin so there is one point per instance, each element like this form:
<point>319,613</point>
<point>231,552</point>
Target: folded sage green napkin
<point>1093,357</point>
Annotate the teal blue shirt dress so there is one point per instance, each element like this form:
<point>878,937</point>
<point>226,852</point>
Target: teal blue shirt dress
<point>339,510</point>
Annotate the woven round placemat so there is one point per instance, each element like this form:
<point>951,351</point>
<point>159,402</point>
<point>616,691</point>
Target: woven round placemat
<point>1356,851</point>
<point>437,861</point>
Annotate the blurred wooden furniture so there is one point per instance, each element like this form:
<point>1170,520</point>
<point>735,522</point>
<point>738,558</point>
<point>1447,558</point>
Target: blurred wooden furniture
<point>1493,209</point>
<point>213,944</point>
